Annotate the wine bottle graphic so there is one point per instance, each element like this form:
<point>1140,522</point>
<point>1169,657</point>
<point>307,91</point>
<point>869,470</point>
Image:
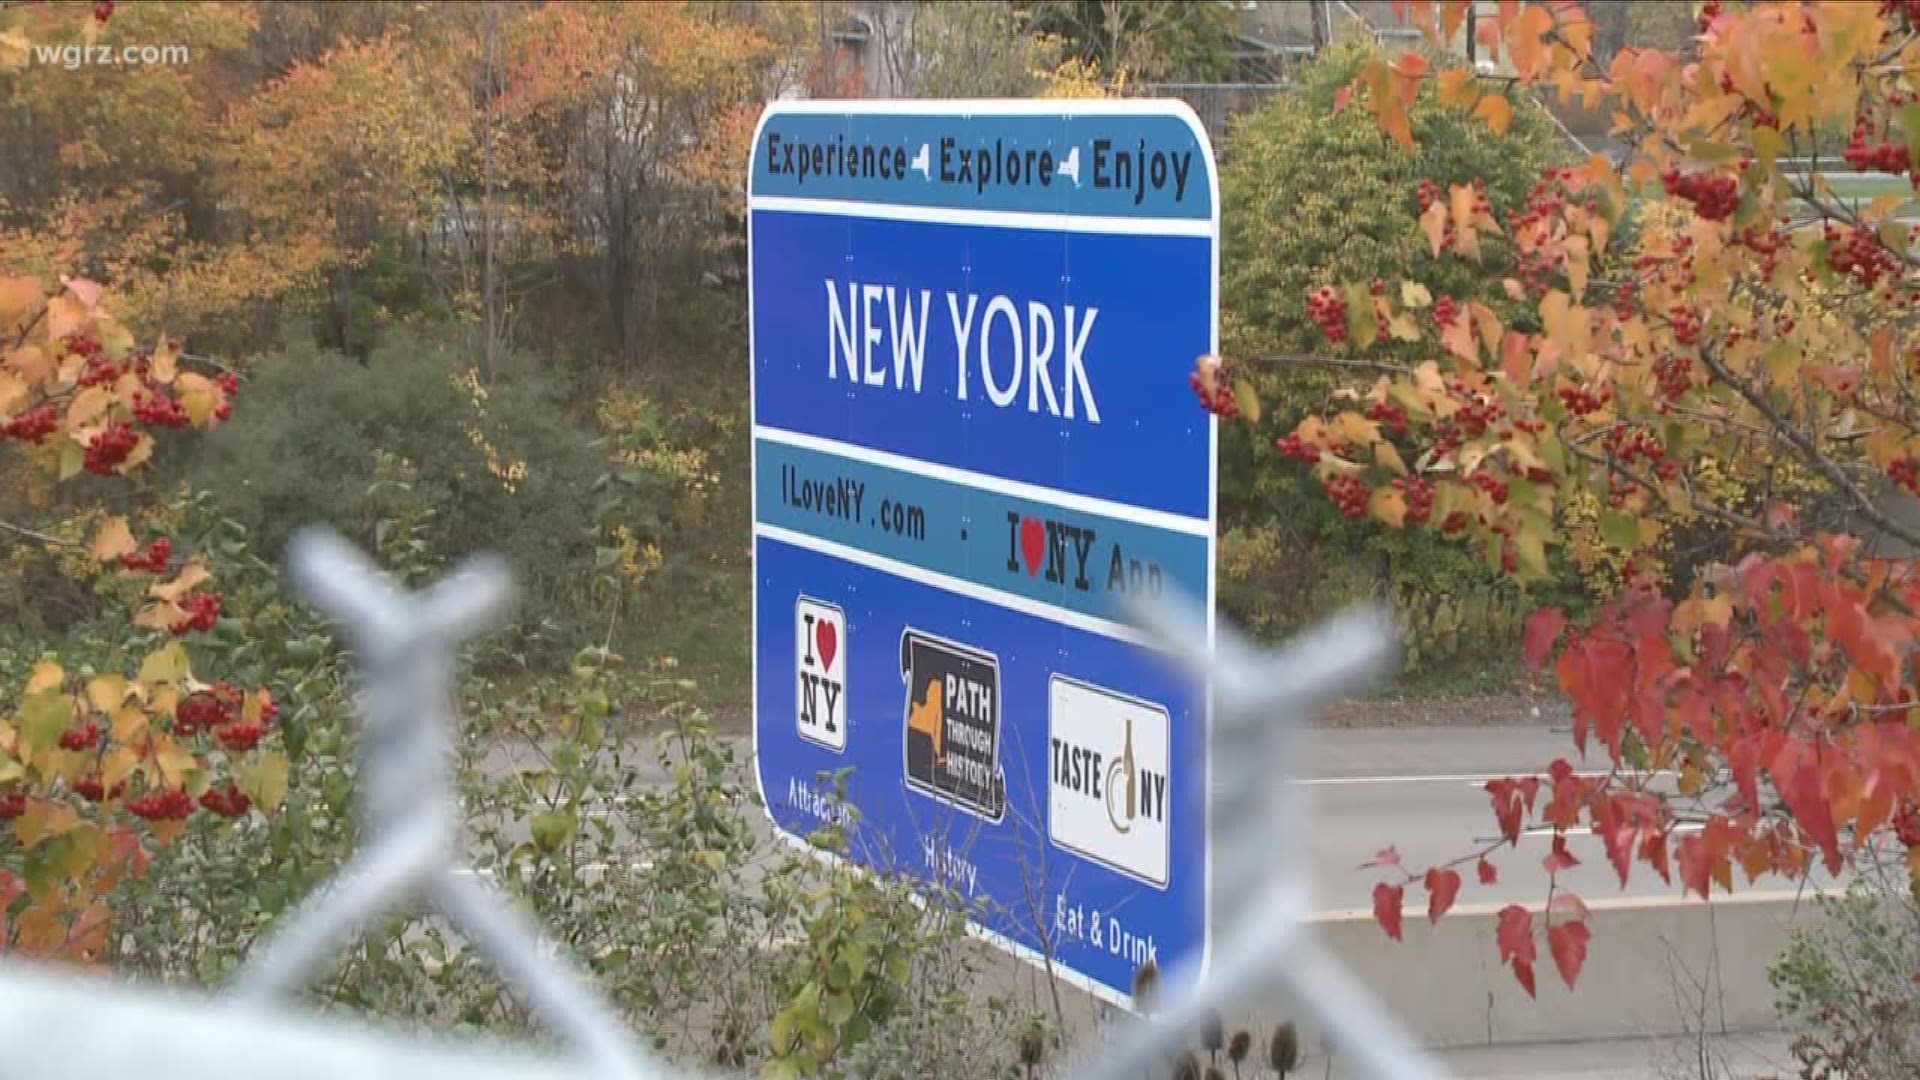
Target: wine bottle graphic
<point>1129,783</point>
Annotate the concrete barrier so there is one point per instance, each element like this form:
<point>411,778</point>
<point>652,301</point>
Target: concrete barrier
<point>1655,967</point>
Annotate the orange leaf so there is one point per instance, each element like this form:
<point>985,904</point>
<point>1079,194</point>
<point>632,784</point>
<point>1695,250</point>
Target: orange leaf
<point>46,675</point>
<point>64,316</point>
<point>1496,111</point>
<point>190,575</point>
<point>42,821</point>
<point>1388,505</point>
<point>1457,88</point>
<point>113,539</point>
<point>1465,238</point>
<point>20,299</point>
<point>1434,223</point>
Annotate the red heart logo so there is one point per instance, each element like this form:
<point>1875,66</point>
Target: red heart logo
<point>828,641</point>
<point>1033,543</point>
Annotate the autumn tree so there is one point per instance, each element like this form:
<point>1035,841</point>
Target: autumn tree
<point>1748,363</point>
<point>341,152</point>
<point>637,112</point>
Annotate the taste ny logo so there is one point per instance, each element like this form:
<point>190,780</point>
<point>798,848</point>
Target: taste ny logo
<point>1108,781</point>
<point>820,664</point>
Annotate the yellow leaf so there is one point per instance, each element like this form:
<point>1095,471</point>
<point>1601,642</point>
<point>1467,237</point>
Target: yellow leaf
<point>190,575</point>
<point>165,363</point>
<point>46,675</point>
<point>106,692</point>
<point>160,615</point>
<point>199,397</point>
<point>167,664</point>
<point>264,779</point>
<point>1415,295</point>
<point>1354,428</point>
<point>175,761</point>
<point>1388,505</point>
<point>1385,453</point>
<point>1531,551</point>
<point>1403,328</point>
<point>88,405</point>
<point>1248,399</point>
<point>1496,111</point>
<point>129,726</point>
<point>43,821</point>
<point>166,830</point>
<point>113,539</point>
<point>30,363</point>
<point>1691,779</point>
<point>116,766</point>
<point>1575,249</point>
<point>15,49</point>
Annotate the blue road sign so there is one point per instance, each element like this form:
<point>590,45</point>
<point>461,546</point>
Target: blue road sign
<point>972,327</point>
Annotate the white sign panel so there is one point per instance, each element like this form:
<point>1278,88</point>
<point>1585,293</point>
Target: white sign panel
<point>1108,784</point>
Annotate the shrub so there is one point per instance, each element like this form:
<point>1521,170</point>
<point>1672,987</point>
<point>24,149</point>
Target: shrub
<point>516,466</point>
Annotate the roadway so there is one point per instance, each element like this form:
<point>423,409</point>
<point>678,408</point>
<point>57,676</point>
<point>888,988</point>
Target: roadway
<point>1421,790</point>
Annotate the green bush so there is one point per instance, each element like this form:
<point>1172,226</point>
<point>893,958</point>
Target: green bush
<point>1310,196</point>
<point>510,472</point>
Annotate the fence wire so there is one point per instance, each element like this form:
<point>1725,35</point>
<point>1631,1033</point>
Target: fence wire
<point>58,1026</point>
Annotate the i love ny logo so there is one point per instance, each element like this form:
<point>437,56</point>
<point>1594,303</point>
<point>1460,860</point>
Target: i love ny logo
<point>820,666</point>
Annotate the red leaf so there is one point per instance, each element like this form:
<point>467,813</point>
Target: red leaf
<point>1386,856</point>
<point>1570,905</point>
<point>1542,631</point>
<point>1511,799</point>
<point>1443,886</point>
<point>1489,873</point>
<point>1514,935</point>
<point>1568,943</point>
<point>1524,973</point>
<point>1386,907</point>
<point>1340,99</point>
<point>1559,858</point>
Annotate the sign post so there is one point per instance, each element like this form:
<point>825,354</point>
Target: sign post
<point>972,326</point>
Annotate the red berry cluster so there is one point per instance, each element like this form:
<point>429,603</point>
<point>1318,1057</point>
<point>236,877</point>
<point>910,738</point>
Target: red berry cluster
<point>92,789</point>
<point>1625,296</point>
<point>1906,473</point>
<point>1328,312</point>
<point>1685,323</point>
<point>1455,522</point>
<point>220,711</point>
<point>102,11</point>
<point>1445,311</point>
<point>203,609</point>
<point>1495,487</point>
<point>1906,824</point>
<point>81,736</point>
<point>109,448</point>
<point>1478,414</point>
<point>157,409</point>
<point>1879,157</point>
<point>1216,394</point>
<point>1709,11</point>
<point>1393,416</point>
<point>1349,493</point>
<point>169,804</point>
<point>228,801</point>
<point>241,737</point>
<point>13,803</point>
<point>32,426</point>
<point>1674,374</point>
<point>1419,495</point>
<point>1859,253</point>
<point>1714,197</point>
<point>153,560</point>
<point>1908,10</point>
<point>1636,444</point>
<point>1294,448</point>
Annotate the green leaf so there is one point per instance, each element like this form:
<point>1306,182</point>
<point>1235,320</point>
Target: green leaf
<point>1362,326</point>
<point>1620,530</point>
<point>43,717</point>
<point>1531,552</point>
<point>552,829</point>
<point>1909,116</point>
<point>72,457</point>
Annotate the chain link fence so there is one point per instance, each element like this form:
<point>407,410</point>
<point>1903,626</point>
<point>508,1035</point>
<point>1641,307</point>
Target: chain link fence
<point>55,1025</point>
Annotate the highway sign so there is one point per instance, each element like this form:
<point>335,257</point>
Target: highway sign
<point>973,442</point>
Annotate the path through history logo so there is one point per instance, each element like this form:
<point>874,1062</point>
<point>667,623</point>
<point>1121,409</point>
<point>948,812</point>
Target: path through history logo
<point>952,733</point>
